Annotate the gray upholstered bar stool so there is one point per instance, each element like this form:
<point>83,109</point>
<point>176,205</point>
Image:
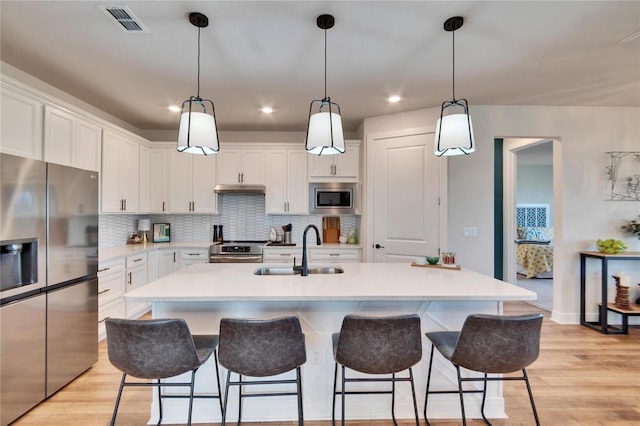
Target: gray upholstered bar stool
<point>157,349</point>
<point>490,344</point>
<point>377,345</point>
<point>261,348</point>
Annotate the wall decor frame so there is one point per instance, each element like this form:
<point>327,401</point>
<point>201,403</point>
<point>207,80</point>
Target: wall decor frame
<point>161,232</point>
<point>622,171</point>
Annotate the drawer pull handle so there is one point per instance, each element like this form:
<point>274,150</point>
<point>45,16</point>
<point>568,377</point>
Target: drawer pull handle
<point>285,254</point>
<point>334,254</point>
<point>138,260</point>
<point>103,319</point>
<point>103,291</point>
<point>194,254</point>
<point>102,270</point>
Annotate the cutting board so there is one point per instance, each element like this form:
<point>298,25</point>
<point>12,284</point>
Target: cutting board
<point>454,267</point>
<point>330,229</point>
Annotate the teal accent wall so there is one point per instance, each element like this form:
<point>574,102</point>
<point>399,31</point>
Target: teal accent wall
<point>498,215</point>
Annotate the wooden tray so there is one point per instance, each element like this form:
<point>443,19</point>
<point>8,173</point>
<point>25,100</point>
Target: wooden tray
<point>437,266</point>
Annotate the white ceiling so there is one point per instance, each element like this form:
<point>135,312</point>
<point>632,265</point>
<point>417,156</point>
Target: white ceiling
<point>270,53</point>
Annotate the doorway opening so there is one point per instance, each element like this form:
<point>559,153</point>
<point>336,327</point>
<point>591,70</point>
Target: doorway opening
<point>528,210</point>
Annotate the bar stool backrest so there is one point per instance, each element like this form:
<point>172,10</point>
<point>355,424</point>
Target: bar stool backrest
<point>379,345</point>
<point>151,349</point>
<point>261,348</point>
<point>498,344</point>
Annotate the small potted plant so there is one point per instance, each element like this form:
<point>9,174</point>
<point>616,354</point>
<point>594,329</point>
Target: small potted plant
<point>633,227</point>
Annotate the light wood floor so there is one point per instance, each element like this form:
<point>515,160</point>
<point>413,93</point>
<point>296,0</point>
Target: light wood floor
<point>581,378</point>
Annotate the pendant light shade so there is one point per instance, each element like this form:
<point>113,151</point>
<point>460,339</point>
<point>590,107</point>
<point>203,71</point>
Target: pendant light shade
<point>454,131</point>
<point>198,133</point>
<point>324,129</point>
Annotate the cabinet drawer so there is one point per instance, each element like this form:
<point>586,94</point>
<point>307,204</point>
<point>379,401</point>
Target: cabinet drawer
<point>115,309</point>
<point>281,255</point>
<point>110,288</point>
<point>352,255</point>
<point>110,267</point>
<point>136,260</point>
<point>195,254</point>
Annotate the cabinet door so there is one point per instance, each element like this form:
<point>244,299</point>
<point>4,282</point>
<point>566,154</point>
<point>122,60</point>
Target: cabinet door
<point>276,182</point>
<point>229,166</point>
<point>347,165</point>
<point>180,183</point>
<point>203,180</point>
<point>143,179</point>
<point>20,125</point>
<point>297,183</point>
<point>59,129</point>
<point>320,165</point>
<point>111,197</point>
<point>129,173</point>
<point>153,265</point>
<point>159,170</point>
<point>253,165</point>
<point>168,262</point>
<point>87,146</point>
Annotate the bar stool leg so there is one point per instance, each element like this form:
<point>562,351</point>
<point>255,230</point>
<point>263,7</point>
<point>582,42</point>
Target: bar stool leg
<point>299,386</point>
<point>413,393</point>
<point>460,392</point>
<point>159,402</point>
<point>335,390</point>
<point>343,401</point>
<point>393,398</point>
<point>115,408</point>
<point>215,358</point>
<point>426,396</point>
<point>239,399</point>
<point>533,404</point>
<point>226,399</point>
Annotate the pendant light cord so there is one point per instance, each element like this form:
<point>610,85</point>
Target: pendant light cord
<point>453,68</point>
<point>198,93</point>
<point>325,64</point>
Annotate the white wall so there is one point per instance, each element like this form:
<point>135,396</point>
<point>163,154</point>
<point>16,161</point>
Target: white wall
<point>585,134</point>
<point>535,186</point>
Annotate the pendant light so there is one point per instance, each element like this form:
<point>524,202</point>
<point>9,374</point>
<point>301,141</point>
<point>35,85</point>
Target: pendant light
<point>324,130</point>
<point>454,131</point>
<point>198,133</point>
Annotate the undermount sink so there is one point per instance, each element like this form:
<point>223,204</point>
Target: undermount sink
<point>288,270</point>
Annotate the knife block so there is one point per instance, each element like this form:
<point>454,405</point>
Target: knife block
<point>330,229</point>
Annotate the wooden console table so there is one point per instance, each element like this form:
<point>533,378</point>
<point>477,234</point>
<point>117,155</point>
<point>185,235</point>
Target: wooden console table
<point>603,308</point>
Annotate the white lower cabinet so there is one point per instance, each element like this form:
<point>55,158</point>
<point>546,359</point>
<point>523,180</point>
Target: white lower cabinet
<point>282,255</point>
<point>169,261</point>
<point>111,278</point>
<point>136,276</point>
<point>334,255</point>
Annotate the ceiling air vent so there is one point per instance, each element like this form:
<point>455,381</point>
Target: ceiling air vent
<point>125,19</point>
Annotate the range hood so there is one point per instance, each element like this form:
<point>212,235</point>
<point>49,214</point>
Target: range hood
<point>239,188</point>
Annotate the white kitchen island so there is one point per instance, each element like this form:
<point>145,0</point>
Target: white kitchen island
<point>204,293</point>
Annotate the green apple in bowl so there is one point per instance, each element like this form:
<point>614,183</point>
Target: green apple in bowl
<point>611,246</point>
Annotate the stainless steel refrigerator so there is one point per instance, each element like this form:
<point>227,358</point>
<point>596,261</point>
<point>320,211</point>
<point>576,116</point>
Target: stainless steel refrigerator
<point>48,286</point>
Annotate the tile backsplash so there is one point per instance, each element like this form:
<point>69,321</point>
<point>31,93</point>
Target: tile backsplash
<point>242,218</point>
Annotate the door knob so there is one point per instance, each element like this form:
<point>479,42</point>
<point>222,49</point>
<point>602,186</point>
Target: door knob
<point>378,246</point>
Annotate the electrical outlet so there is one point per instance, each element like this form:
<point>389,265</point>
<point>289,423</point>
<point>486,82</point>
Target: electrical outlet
<point>315,356</point>
<point>470,232</point>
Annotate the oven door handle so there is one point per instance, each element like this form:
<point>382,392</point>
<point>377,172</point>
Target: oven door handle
<point>235,259</point>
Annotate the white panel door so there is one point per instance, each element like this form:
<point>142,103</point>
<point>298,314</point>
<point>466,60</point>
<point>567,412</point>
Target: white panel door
<point>406,196</point>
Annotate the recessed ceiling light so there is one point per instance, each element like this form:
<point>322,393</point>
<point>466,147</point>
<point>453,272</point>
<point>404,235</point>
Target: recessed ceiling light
<point>393,99</point>
<point>174,108</point>
<point>267,110</point>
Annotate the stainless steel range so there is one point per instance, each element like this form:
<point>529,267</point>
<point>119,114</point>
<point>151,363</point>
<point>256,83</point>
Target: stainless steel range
<point>236,252</point>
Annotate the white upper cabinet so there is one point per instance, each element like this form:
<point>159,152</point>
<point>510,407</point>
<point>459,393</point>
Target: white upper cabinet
<point>20,124</point>
<point>191,181</point>
<point>120,180</point>
<point>143,179</point>
<point>70,140</point>
<point>287,187</point>
<point>158,172</point>
<point>241,166</point>
<point>339,167</point>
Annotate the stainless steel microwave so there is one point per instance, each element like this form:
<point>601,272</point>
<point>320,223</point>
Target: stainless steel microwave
<point>333,198</point>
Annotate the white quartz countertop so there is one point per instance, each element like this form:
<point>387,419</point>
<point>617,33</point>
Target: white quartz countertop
<point>359,282</point>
